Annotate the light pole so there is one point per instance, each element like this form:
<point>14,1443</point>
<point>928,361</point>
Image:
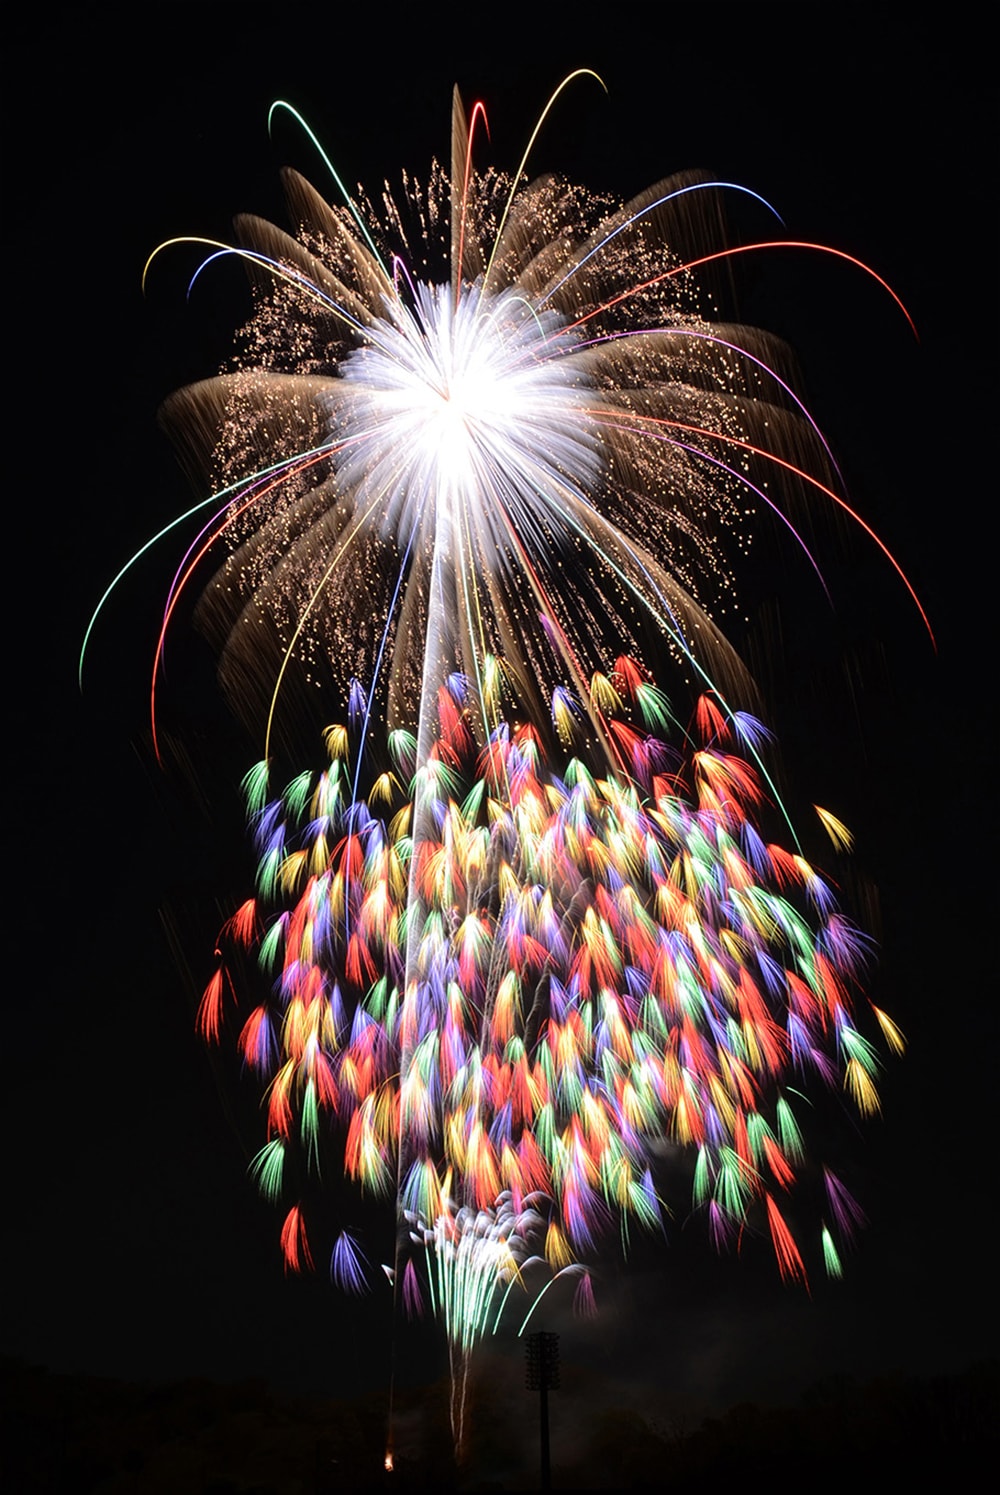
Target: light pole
<point>542,1375</point>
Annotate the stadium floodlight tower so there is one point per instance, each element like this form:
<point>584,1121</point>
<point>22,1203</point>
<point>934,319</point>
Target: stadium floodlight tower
<point>542,1375</point>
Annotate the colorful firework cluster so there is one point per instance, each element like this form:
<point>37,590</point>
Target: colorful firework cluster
<point>525,933</point>
<point>601,963</point>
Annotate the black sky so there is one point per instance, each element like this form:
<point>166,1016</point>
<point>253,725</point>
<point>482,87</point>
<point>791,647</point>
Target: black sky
<point>136,1246</point>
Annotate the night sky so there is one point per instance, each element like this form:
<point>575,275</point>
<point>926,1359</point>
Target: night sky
<point>136,1246</point>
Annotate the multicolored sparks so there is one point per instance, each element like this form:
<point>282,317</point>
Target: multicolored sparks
<point>508,993</point>
<point>527,948</point>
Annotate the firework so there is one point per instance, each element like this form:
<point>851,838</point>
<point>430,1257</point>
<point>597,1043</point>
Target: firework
<point>531,925</point>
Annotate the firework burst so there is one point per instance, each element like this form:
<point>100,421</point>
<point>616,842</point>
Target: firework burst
<point>476,471</point>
